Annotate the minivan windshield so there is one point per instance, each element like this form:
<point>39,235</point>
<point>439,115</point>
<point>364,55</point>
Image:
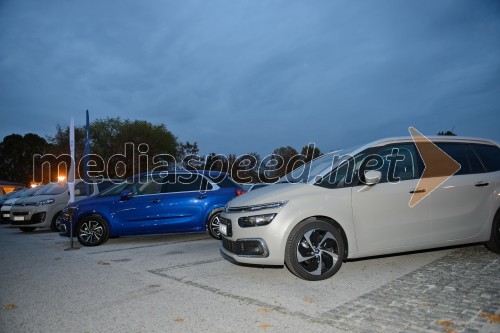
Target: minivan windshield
<point>57,188</point>
<point>29,192</point>
<point>318,167</point>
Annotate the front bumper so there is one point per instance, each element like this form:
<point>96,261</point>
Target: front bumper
<point>30,216</point>
<point>260,245</point>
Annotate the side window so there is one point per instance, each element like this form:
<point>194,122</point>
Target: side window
<point>464,155</point>
<point>400,163</point>
<point>187,183</point>
<point>104,185</point>
<point>152,186</point>
<point>489,155</point>
<point>81,189</point>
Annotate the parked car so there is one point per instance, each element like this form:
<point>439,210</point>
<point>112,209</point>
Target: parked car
<point>9,195</point>
<point>43,209</point>
<point>345,208</point>
<point>153,203</point>
<point>20,194</point>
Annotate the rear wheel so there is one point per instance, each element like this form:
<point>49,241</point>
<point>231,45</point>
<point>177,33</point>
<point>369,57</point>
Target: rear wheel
<point>213,224</point>
<point>27,229</point>
<point>494,243</point>
<point>92,231</point>
<point>314,250</point>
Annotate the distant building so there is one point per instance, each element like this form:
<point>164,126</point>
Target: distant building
<point>6,187</point>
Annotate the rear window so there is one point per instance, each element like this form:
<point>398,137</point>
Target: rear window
<point>104,185</point>
<point>222,180</point>
<point>465,156</point>
<point>489,155</point>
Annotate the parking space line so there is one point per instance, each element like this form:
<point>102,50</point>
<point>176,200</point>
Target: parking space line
<point>248,300</point>
<point>146,246</point>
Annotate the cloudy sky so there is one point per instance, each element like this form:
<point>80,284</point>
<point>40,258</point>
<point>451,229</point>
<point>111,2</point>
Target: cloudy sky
<point>252,75</point>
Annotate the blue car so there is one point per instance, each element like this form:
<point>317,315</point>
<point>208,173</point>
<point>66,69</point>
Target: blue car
<point>152,203</point>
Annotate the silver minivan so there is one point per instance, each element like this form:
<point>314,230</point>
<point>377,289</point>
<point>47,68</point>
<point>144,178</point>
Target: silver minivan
<point>358,203</point>
<point>43,209</point>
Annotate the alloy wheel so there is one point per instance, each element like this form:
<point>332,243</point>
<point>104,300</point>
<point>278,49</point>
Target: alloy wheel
<point>317,251</point>
<point>91,231</point>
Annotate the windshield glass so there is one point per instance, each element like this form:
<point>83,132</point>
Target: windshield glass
<point>51,189</point>
<point>318,167</point>
<point>17,194</point>
<point>57,188</point>
<point>29,192</point>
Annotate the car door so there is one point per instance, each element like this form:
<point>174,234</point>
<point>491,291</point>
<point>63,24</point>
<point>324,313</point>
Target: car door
<point>382,215</point>
<point>462,206</point>
<point>184,202</point>
<point>140,212</point>
<point>170,203</point>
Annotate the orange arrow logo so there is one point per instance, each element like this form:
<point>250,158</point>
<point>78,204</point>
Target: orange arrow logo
<point>439,166</point>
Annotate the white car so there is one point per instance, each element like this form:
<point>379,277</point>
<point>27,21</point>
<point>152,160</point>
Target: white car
<point>43,209</point>
<point>357,203</point>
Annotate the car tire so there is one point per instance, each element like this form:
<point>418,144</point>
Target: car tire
<point>92,231</point>
<point>213,224</point>
<point>53,224</point>
<point>27,229</point>
<point>314,250</point>
<point>494,243</point>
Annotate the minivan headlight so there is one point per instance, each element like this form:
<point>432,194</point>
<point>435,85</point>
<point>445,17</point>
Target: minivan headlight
<point>45,202</point>
<point>255,220</point>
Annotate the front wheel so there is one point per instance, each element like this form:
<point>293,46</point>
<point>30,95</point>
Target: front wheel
<point>213,225</point>
<point>27,229</point>
<point>92,231</point>
<point>314,250</point>
<point>494,243</point>
<point>54,225</point>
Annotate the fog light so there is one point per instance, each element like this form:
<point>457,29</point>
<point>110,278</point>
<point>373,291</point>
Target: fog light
<point>255,220</point>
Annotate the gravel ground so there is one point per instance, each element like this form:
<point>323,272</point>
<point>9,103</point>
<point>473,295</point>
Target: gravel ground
<point>180,283</point>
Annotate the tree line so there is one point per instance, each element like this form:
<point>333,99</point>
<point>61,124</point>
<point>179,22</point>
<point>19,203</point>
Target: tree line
<point>123,147</point>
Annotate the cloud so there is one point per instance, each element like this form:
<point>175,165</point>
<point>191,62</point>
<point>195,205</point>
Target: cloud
<point>241,76</point>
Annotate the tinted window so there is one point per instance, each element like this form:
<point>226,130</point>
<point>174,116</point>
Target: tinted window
<point>81,189</point>
<point>187,183</point>
<point>400,163</point>
<point>104,185</point>
<point>489,155</point>
<point>222,180</point>
<point>464,155</point>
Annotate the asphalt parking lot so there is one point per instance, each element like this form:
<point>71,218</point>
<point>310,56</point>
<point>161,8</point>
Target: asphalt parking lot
<point>180,283</point>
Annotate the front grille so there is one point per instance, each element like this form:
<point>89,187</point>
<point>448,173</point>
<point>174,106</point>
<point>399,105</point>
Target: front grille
<point>20,213</point>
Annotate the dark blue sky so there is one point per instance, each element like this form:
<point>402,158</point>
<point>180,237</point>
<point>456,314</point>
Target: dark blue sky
<point>240,76</point>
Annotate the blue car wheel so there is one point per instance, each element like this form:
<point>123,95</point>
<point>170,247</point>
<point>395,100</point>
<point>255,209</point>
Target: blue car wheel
<point>213,224</point>
<point>92,231</point>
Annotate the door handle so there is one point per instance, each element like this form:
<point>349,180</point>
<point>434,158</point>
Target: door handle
<point>155,201</point>
<point>420,190</point>
<point>202,197</point>
<point>481,184</point>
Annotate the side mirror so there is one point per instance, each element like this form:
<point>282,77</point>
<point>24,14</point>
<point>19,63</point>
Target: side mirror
<point>372,177</point>
<point>125,194</point>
